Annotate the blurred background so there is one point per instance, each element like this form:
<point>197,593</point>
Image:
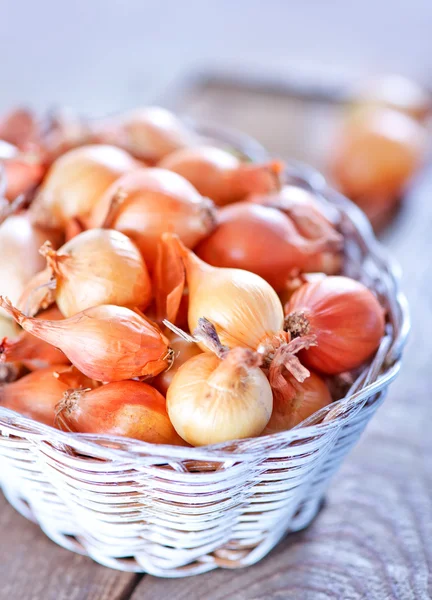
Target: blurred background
<point>100,56</point>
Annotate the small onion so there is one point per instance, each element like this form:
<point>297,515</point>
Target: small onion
<point>346,319</point>
<point>221,176</point>
<point>149,133</point>
<point>37,394</point>
<point>99,266</point>
<point>126,408</point>
<point>262,240</point>
<point>77,180</point>
<point>106,343</point>
<point>242,306</point>
<point>312,220</point>
<point>212,400</point>
<point>378,151</point>
<point>155,201</point>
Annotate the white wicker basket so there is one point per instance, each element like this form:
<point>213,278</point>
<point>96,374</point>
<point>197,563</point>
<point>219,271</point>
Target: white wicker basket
<point>173,511</point>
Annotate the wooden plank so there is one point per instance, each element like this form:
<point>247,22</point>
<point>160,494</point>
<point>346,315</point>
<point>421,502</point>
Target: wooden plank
<point>373,538</point>
<point>32,567</point>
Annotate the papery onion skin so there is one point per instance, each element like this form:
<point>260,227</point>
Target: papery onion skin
<point>221,176</point>
<point>20,241</point>
<point>150,133</point>
<point>99,266</point>
<point>212,400</point>
<point>125,408</point>
<point>262,240</point>
<point>307,398</point>
<point>38,294</point>
<point>377,152</point>
<point>156,201</point>
<point>183,351</point>
<point>346,318</point>
<point>242,306</point>
<point>37,394</point>
<point>29,350</point>
<point>106,343</point>
<point>76,181</point>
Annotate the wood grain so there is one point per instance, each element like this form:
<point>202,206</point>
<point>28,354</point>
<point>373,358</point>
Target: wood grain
<point>373,539</point>
<point>34,568</point>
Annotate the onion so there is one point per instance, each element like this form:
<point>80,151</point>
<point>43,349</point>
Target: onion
<point>378,151</point>
<point>77,180</point>
<point>309,217</point>
<point>20,240</point>
<point>106,343</point>
<point>37,394</point>
<point>244,308</point>
<point>221,176</point>
<point>29,350</point>
<point>298,402</point>
<point>263,240</point>
<point>149,133</point>
<point>212,400</point>
<point>126,408</point>
<point>155,201</point>
<point>346,319</point>
<point>118,275</point>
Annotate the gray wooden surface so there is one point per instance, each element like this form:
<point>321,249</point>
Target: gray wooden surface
<point>373,538</point>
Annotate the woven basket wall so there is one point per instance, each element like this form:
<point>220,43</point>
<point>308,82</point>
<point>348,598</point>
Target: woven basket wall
<point>173,511</point>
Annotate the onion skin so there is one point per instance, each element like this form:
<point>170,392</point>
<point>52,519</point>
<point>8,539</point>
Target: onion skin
<point>183,351</point>
<point>125,408</point>
<point>212,400</point>
<point>30,351</point>
<point>37,394</point>
<point>262,240</point>
<point>76,181</point>
<point>301,401</point>
<point>156,201</point>
<point>244,308</point>
<point>118,276</point>
<point>38,294</point>
<point>106,343</point>
<point>219,175</point>
<point>346,318</point>
<point>20,240</point>
<point>378,151</point>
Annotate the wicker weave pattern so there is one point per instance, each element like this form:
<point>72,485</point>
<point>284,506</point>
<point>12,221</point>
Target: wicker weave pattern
<point>182,511</point>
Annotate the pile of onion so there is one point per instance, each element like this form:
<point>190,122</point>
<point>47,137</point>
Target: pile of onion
<point>155,287</point>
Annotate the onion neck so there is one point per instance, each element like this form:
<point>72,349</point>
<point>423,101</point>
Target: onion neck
<point>54,260</point>
<point>297,324</point>
<point>231,373</point>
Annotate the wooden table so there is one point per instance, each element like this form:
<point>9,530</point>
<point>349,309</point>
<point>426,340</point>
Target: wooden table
<point>373,538</point>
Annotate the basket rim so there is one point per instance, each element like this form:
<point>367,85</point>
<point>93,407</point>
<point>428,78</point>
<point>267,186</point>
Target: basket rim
<point>126,449</point>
